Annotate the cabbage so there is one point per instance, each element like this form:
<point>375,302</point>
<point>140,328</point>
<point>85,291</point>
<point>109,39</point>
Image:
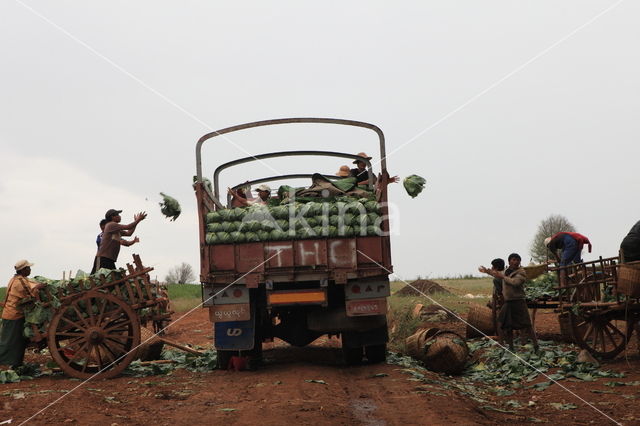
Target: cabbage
<point>321,220</point>
<point>250,226</point>
<point>313,209</point>
<point>372,206</point>
<point>373,219</point>
<point>312,222</point>
<point>214,217</point>
<point>305,233</point>
<point>280,212</point>
<point>359,220</point>
<point>228,226</point>
<point>414,185</point>
<point>348,231</point>
<point>226,215</point>
<point>257,212</point>
<point>277,235</point>
<point>224,237</point>
<point>214,227</point>
<point>238,213</point>
<point>333,209</point>
<point>264,235</point>
<point>334,220</point>
<point>251,237</point>
<point>268,224</point>
<point>170,207</point>
<point>357,230</point>
<point>282,224</point>
<point>320,231</point>
<point>237,237</point>
<point>333,231</point>
<point>212,238</point>
<point>373,230</point>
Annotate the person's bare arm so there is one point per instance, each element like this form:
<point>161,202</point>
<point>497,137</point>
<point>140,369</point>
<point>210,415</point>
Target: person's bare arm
<point>128,243</point>
<point>129,229</point>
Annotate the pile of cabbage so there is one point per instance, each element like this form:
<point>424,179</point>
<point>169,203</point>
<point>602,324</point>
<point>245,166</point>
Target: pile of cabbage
<point>343,217</point>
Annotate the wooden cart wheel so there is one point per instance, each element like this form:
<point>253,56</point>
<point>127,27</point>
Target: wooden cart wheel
<point>94,333</point>
<point>601,333</point>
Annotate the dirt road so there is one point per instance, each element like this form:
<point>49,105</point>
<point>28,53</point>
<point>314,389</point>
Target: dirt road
<point>279,393</point>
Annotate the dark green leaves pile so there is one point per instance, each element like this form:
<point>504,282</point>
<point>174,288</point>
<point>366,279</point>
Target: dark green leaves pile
<point>38,313</point>
<point>499,367</point>
<point>414,185</point>
<point>170,207</point>
<point>543,287</point>
<point>197,363</point>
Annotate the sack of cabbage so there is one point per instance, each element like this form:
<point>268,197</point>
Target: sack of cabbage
<point>360,217</point>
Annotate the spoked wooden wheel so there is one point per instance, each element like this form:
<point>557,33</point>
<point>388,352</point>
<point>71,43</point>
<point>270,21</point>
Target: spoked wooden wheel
<point>600,333</point>
<point>92,334</point>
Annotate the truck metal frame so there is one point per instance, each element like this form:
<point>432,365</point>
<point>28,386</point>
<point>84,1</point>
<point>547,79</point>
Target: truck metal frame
<point>296,290</point>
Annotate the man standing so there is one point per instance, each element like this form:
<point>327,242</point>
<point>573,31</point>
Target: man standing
<point>631,244</point>
<point>571,244</point>
<point>514,314</point>
<point>12,340</point>
<point>112,238</point>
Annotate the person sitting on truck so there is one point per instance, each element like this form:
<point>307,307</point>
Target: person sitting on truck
<point>12,341</point>
<point>264,193</point>
<point>362,174</point>
<point>631,244</point>
<point>112,237</point>
<point>570,243</point>
<point>239,199</point>
<point>514,313</point>
<point>343,172</point>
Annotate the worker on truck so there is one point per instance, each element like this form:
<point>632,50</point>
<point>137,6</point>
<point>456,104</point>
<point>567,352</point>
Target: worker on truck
<point>570,243</point>
<point>362,174</point>
<point>112,238</point>
<point>12,340</point>
<point>264,193</point>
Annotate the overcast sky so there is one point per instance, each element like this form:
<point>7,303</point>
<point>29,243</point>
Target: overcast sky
<point>514,111</point>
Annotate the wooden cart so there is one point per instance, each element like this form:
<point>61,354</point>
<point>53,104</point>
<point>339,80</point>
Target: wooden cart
<point>96,329</point>
<point>596,312</point>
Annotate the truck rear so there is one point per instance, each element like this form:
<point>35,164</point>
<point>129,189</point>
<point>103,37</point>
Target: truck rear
<point>298,267</point>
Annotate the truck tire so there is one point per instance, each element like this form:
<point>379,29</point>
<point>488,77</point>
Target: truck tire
<point>222,359</point>
<point>352,356</point>
<point>376,353</point>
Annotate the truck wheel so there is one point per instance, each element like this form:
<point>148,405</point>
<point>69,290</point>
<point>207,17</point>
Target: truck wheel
<point>352,356</point>
<point>376,353</point>
<point>222,359</point>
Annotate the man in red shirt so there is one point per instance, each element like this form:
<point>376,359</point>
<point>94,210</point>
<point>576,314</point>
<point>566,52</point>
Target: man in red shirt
<point>112,237</point>
<point>570,243</point>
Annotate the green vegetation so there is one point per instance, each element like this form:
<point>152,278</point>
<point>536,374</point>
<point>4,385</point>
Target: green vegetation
<point>414,185</point>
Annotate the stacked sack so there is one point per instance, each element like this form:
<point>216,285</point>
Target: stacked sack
<point>257,223</point>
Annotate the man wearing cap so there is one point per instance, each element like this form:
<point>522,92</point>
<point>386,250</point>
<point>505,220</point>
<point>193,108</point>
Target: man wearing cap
<point>112,238</point>
<point>362,174</point>
<point>12,340</point>
<point>571,244</point>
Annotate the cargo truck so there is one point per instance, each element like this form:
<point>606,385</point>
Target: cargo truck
<point>294,289</point>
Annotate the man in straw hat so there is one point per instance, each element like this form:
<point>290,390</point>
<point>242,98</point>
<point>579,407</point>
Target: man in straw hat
<point>12,340</point>
<point>514,313</point>
<point>362,174</point>
<point>571,244</point>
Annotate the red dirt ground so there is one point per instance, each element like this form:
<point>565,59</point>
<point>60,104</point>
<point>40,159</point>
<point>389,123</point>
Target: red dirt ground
<point>278,393</point>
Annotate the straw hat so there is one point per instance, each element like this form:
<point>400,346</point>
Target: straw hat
<point>362,154</point>
<point>344,171</point>
<point>263,187</point>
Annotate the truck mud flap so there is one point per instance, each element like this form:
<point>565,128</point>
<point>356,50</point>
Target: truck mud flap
<point>235,335</point>
<point>377,336</point>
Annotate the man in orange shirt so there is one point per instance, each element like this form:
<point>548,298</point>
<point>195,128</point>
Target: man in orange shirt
<point>12,340</point>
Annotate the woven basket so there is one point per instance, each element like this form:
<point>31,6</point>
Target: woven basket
<point>564,319</point>
<point>481,318</point>
<point>446,353</point>
<point>151,350</point>
<point>534,271</point>
<point>629,280</point>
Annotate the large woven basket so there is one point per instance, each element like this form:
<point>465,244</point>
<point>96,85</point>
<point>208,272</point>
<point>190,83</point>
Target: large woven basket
<point>534,271</point>
<point>481,318</point>
<point>629,280</point>
<point>446,353</point>
<point>149,350</point>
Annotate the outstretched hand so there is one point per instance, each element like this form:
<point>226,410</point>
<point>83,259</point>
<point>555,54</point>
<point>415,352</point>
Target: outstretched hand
<point>140,216</point>
<point>135,240</point>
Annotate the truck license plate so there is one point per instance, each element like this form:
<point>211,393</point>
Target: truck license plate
<point>357,308</point>
<point>236,312</point>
